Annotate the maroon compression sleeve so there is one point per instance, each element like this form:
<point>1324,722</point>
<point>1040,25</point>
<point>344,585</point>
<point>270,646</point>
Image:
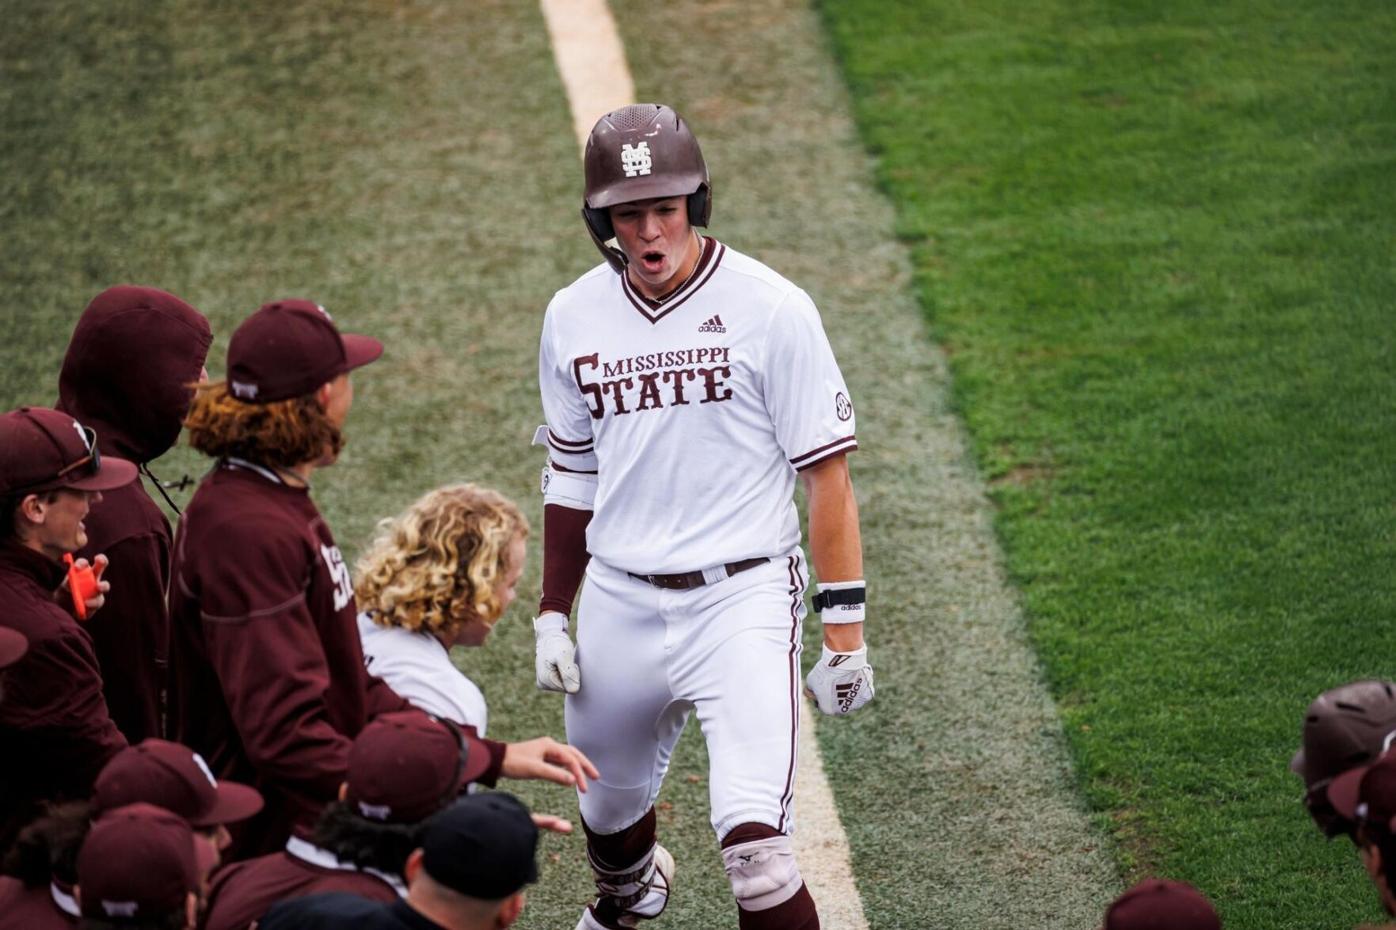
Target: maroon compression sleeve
<point>564,556</point>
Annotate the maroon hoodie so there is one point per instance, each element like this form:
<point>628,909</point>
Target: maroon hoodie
<point>133,355</point>
<point>55,734</point>
<point>267,674</point>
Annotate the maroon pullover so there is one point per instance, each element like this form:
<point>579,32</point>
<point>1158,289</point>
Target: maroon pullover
<point>267,673</point>
<point>55,732</point>
<point>23,908</point>
<point>127,372</point>
<point>244,891</point>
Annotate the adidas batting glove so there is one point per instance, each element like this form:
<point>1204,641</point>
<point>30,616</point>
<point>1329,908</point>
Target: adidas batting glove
<point>841,682</point>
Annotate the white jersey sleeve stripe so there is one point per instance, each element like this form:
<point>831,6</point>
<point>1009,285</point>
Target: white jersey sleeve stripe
<point>828,450</point>
<point>567,445</point>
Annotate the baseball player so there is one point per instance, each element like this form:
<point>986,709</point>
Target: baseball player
<point>685,386</point>
<point>1344,727</point>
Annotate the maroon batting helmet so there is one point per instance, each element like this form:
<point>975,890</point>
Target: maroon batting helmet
<point>639,152</point>
<point>1346,727</point>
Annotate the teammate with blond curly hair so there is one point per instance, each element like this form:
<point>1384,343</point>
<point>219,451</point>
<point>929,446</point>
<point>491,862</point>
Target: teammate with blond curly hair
<point>438,575</point>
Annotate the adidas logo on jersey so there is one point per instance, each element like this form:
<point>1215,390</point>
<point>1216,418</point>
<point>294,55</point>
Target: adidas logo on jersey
<point>713,326</point>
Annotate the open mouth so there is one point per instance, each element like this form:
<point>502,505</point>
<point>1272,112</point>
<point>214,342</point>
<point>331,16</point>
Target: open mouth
<point>652,261</point>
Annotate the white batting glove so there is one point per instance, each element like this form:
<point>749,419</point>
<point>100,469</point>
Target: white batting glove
<point>555,661</point>
<point>842,682</point>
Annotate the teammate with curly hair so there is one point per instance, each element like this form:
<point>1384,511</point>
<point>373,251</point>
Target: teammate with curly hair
<point>438,575</point>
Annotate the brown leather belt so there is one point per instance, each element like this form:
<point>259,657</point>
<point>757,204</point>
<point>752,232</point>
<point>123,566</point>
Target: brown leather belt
<point>682,581</point>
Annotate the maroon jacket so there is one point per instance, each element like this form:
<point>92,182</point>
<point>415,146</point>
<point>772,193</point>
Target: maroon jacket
<point>244,891</point>
<point>133,354</point>
<point>34,908</point>
<point>267,673</point>
<point>55,732</point>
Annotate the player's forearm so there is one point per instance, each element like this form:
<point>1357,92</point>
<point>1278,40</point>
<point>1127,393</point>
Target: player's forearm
<point>836,544</point>
<point>564,556</point>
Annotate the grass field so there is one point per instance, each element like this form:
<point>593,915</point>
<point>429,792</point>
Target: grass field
<point>1156,247</point>
<point>1157,243</point>
<point>411,166</point>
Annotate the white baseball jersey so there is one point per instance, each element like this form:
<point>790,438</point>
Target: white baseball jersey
<point>695,413</point>
<point>419,668</point>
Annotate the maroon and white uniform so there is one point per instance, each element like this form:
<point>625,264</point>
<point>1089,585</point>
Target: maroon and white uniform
<point>681,426</point>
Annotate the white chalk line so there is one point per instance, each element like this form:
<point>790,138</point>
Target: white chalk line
<point>592,63</point>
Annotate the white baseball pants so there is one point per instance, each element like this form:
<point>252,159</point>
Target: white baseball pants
<point>729,651</point>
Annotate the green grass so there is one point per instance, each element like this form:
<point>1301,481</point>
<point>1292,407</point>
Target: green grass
<point>411,166</point>
<point>1157,243</point>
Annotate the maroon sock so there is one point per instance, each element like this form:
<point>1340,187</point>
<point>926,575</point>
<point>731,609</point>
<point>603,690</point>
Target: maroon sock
<point>796,914</point>
<point>621,850</point>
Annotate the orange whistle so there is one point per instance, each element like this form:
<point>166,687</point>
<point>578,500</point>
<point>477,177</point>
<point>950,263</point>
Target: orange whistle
<point>82,585</point>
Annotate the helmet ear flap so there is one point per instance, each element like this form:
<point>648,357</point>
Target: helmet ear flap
<point>598,224</point>
<point>700,205</point>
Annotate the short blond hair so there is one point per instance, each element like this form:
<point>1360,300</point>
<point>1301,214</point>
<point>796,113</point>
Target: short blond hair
<point>434,567</point>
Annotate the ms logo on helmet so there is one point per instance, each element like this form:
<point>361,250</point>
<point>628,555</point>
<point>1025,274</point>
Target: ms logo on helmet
<point>635,159</point>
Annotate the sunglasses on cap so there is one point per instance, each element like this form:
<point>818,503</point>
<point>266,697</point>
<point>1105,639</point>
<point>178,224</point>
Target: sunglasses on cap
<point>91,463</point>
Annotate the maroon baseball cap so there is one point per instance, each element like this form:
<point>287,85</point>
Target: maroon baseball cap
<point>43,449</point>
<point>405,766</point>
<point>137,862</point>
<point>1160,904</point>
<point>1367,793</point>
<point>288,349</point>
<point>178,779</point>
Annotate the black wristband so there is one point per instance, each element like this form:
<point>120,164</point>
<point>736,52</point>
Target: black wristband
<point>838,597</point>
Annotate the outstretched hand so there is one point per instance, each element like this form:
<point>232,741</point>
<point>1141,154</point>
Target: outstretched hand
<point>552,823</point>
<point>547,759</point>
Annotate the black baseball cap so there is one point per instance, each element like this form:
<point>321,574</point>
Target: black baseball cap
<point>288,349</point>
<point>483,846</point>
<point>43,449</point>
